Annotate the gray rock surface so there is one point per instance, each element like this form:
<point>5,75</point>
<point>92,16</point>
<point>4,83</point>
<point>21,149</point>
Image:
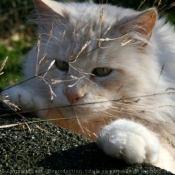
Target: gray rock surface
<point>44,148</point>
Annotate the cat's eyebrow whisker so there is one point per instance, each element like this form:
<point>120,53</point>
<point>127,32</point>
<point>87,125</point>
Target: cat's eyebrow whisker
<point>51,36</point>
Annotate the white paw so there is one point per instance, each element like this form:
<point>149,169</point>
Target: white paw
<point>129,141</point>
<point>19,96</point>
<point>26,99</point>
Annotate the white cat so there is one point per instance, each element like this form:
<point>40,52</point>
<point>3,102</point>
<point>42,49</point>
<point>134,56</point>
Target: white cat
<point>101,63</point>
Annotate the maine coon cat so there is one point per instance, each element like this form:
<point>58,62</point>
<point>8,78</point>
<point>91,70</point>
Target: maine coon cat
<point>109,70</point>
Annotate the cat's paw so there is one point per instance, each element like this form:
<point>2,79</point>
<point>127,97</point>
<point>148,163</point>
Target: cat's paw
<point>19,97</point>
<point>129,141</point>
<point>24,98</point>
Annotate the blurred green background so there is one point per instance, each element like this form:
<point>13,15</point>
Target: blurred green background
<point>17,36</point>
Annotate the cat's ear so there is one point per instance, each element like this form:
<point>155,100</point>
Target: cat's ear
<point>143,24</point>
<point>48,8</point>
<point>49,13</point>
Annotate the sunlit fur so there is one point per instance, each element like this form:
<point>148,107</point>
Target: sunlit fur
<point>135,94</point>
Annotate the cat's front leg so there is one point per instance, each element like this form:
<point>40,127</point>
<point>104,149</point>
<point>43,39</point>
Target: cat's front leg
<point>130,141</point>
<point>25,99</point>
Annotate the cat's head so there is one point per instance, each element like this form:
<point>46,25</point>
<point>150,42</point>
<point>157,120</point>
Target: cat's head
<point>100,53</point>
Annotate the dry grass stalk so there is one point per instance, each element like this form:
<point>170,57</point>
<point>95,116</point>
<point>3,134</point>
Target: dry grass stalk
<point>3,65</point>
<point>141,3</point>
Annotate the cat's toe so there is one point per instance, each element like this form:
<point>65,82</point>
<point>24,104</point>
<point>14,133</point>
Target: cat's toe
<point>124,145</point>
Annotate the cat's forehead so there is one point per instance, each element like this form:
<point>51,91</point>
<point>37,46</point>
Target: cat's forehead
<point>80,36</point>
<point>85,12</point>
<point>80,17</point>
<point>88,24</point>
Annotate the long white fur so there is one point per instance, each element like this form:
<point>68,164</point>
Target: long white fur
<point>147,135</point>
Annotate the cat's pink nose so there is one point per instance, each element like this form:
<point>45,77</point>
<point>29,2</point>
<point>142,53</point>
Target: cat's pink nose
<point>73,97</point>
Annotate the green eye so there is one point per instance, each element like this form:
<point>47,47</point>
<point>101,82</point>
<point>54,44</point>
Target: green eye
<point>102,71</point>
<point>62,65</point>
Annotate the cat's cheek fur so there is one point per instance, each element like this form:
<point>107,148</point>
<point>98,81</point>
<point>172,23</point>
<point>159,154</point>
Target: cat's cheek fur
<point>130,141</point>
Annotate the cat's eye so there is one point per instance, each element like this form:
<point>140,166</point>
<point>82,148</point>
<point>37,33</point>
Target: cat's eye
<point>102,71</point>
<point>62,65</point>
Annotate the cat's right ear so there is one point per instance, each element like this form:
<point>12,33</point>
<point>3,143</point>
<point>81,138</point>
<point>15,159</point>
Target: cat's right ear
<point>142,24</point>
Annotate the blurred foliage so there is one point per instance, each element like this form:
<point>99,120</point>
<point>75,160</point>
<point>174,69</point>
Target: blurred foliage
<point>17,36</point>
<point>15,49</point>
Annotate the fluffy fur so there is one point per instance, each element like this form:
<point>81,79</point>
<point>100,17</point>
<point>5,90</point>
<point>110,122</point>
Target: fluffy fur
<point>138,94</point>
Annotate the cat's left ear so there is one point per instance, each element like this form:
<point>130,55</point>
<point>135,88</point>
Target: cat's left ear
<point>49,8</point>
<point>142,24</point>
<point>50,12</point>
